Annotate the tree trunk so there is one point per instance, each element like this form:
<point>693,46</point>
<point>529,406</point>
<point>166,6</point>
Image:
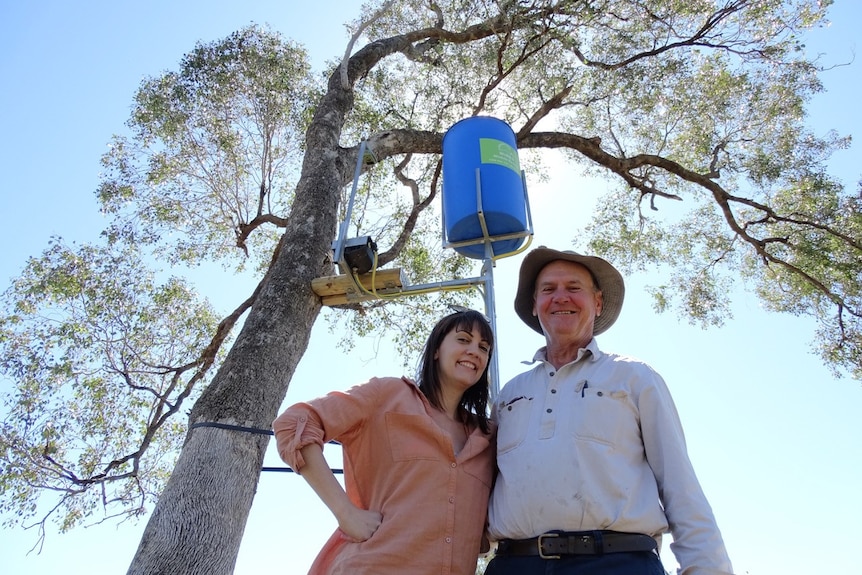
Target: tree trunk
<point>197,525</point>
<point>198,522</point>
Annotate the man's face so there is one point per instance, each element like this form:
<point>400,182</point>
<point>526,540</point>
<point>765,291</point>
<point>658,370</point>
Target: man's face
<point>566,302</point>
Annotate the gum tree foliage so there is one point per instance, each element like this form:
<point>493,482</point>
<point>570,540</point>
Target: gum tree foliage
<point>206,174</point>
<point>102,356</point>
<point>103,351</point>
<point>693,110</point>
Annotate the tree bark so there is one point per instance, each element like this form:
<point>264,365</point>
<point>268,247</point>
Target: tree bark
<point>199,519</point>
<point>198,522</point>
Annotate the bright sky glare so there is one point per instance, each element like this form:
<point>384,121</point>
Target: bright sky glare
<point>775,439</point>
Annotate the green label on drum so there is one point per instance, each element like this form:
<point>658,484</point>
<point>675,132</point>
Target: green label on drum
<point>499,152</point>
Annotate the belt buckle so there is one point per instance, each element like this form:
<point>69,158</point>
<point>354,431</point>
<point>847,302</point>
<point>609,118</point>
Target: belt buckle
<point>539,543</point>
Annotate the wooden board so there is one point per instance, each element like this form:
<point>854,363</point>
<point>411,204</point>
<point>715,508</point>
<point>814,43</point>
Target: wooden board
<point>342,289</point>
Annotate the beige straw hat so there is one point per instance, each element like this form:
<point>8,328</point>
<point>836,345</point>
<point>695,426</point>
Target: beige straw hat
<point>606,276</point>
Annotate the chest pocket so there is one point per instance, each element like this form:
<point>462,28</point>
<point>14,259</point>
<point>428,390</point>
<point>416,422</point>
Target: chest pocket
<point>410,438</point>
<point>513,418</point>
<point>604,416</point>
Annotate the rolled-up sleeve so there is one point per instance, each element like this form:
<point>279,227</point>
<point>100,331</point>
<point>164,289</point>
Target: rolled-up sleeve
<point>297,427</point>
<point>334,416</point>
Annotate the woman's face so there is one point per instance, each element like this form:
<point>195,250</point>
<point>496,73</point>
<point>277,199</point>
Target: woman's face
<point>462,358</point>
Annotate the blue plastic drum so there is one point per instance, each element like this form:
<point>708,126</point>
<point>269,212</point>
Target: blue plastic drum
<point>487,144</point>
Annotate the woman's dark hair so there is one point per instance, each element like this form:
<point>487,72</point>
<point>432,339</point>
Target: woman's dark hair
<point>475,398</point>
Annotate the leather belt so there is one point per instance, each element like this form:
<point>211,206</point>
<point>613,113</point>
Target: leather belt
<point>555,544</point>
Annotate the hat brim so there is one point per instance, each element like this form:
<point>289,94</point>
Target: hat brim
<point>609,281</point>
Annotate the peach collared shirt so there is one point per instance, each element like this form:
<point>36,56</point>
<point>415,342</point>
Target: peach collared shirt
<point>398,461</point>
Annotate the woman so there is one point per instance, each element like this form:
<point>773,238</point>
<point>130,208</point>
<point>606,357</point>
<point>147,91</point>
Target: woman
<point>418,460</point>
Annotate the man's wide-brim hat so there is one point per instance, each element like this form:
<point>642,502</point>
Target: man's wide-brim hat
<point>606,277</point>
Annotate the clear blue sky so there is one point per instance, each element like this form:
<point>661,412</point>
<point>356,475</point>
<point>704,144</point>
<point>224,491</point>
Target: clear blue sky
<point>774,438</point>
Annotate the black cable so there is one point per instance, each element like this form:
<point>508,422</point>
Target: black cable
<point>232,427</point>
<point>259,432</point>
<point>289,470</point>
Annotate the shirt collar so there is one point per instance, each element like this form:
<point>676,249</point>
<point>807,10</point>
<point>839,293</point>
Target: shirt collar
<point>589,353</point>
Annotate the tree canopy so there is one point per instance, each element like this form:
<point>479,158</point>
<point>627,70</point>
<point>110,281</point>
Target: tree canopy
<point>693,110</point>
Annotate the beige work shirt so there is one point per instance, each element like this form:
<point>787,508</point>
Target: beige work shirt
<point>598,444</point>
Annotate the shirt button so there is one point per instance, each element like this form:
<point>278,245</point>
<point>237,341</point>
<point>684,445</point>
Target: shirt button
<point>451,500</point>
<point>549,410</point>
<point>551,374</point>
<point>553,391</point>
<point>453,464</point>
<point>448,540</point>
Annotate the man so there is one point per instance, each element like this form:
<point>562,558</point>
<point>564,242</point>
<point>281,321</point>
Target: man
<point>593,467</point>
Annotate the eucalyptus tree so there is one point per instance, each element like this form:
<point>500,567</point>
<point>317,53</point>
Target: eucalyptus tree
<point>694,111</point>
<point>101,347</point>
<point>103,351</point>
